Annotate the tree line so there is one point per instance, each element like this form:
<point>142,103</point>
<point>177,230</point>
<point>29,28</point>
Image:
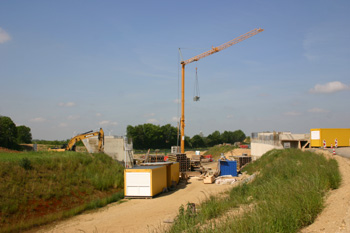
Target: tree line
<point>149,136</point>
<point>146,136</point>
<point>11,135</point>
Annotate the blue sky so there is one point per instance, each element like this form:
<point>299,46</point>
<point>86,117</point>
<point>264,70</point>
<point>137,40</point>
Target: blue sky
<point>71,66</point>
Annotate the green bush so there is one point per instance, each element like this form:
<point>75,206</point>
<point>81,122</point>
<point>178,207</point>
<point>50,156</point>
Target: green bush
<point>25,163</point>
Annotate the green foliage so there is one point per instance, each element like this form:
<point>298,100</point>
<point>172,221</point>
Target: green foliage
<point>152,136</point>
<point>25,163</point>
<point>286,195</point>
<point>23,134</point>
<point>46,176</point>
<point>8,132</point>
<point>232,137</point>
<point>11,135</point>
<point>214,138</point>
<point>149,136</point>
<point>216,151</point>
<point>197,141</point>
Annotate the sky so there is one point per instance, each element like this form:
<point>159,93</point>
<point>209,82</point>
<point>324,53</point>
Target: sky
<point>67,67</point>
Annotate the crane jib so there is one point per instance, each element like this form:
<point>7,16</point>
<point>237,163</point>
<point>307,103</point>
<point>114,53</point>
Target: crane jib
<point>196,58</point>
<point>223,46</point>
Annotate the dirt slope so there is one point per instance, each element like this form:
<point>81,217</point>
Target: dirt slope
<point>336,216</point>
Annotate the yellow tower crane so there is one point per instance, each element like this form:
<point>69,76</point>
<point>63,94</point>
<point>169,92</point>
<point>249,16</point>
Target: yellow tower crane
<point>196,58</point>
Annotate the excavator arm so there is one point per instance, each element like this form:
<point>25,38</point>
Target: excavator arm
<point>71,144</point>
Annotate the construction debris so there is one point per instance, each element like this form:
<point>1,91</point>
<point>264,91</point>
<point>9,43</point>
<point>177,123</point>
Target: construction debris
<point>209,179</point>
<point>227,179</point>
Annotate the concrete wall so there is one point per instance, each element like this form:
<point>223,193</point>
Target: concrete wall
<point>258,149</point>
<point>266,141</point>
<point>113,146</point>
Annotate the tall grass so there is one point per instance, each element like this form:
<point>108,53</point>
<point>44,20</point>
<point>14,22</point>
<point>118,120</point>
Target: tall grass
<point>34,184</point>
<point>286,195</point>
<point>216,151</point>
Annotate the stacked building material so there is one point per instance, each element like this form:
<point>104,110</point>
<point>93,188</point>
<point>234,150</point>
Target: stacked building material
<point>155,158</point>
<point>185,163</point>
<point>172,158</point>
<point>242,160</point>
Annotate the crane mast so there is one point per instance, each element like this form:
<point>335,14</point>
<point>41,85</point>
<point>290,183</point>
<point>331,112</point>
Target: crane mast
<point>198,57</point>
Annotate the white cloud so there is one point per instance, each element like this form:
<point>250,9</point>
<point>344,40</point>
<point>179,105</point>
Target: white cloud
<point>68,104</point>
<point>177,101</point>
<point>37,119</point>
<point>152,121</point>
<point>292,113</point>
<point>4,36</point>
<point>317,110</point>
<point>330,87</point>
<point>108,122</point>
<point>230,116</point>
<point>175,119</point>
<point>98,114</point>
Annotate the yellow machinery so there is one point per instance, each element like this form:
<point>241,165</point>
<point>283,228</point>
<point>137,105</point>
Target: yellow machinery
<point>71,144</point>
<point>196,58</point>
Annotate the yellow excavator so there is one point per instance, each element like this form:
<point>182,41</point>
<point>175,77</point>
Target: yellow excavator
<point>71,144</point>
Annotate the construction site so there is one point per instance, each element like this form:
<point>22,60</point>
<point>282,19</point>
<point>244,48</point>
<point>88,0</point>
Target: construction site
<point>159,183</point>
<point>168,116</point>
<point>152,181</point>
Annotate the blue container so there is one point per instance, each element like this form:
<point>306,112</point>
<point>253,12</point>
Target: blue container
<point>228,167</point>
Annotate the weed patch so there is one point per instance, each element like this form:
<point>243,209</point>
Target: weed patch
<point>38,186</point>
<point>216,151</point>
<point>287,194</point>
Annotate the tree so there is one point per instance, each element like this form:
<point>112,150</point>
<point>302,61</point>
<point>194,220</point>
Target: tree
<point>152,136</point>
<point>8,132</point>
<point>197,141</point>
<point>227,137</point>
<point>214,138</point>
<point>169,135</point>
<point>239,136</point>
<point>23,134</point>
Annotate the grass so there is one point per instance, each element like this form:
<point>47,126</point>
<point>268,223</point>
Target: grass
<point>286,195</point>
<point>216,151</point>
<point>39,187</point>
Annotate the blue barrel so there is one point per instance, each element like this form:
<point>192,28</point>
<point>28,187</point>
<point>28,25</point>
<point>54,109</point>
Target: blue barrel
<point>228,167</point>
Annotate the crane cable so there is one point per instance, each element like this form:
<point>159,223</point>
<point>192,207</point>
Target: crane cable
<point>196,95</point>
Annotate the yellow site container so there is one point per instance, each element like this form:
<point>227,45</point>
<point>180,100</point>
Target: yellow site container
<point>173,173</point>
<point>341,135</point>
<point>145,181</point>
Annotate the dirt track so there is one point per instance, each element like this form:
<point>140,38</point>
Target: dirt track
<point>336,215</point>
<point>138,215</point>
